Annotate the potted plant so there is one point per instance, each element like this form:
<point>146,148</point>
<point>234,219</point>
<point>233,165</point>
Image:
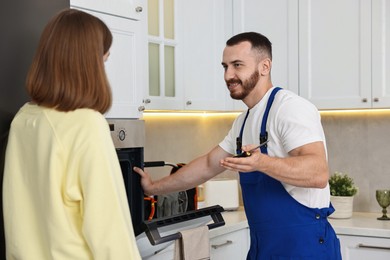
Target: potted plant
<point>342,191</point>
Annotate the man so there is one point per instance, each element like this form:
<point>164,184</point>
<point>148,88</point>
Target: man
<point>285,182</point>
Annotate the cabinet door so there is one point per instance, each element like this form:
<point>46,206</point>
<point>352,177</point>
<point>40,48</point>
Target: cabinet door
<point>335,53</point>
<point>380,53</point>
<point>126,8</point>
<point>126,65</point>
<point>278,21</point>
<point>163,91</point>
<point>233,245</point>
<point>204,27</point>
<point>363,248</point>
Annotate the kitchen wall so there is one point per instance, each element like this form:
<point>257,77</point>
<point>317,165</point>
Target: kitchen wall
<point>357,145</point>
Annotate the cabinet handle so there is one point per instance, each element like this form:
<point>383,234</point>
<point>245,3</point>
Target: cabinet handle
<point>147,101</point>
<point>189,102</point>
<point>141,108</point>
<point>373,247</point>
<point>228,242</point>
<point>364,100</point>
<point>376,99</point>
<point>138,9</point>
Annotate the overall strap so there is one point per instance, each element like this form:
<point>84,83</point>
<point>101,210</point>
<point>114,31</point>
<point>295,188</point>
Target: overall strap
<point>239,138</point>
<point>263,129</point>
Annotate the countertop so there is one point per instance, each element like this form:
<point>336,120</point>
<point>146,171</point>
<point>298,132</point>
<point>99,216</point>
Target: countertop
<point>360,224</point>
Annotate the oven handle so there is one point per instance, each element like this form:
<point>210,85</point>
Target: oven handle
<point>159,164</point>
<point>151,227</point>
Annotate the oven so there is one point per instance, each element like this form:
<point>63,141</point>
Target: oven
<point>153,236</point>
<point>129,139</point>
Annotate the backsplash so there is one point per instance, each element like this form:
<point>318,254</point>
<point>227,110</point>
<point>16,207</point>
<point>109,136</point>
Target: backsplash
<point>357,144</point>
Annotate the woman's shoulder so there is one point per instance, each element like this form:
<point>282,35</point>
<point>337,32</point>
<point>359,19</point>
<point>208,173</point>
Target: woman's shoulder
<point>81,121</point>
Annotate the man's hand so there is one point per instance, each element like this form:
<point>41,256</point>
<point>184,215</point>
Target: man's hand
<point>244,164</point>
<point>146,181</point>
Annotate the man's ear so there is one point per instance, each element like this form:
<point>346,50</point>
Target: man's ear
<point>265,67</point>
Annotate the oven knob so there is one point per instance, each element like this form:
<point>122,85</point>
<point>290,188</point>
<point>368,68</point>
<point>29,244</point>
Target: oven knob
<point>122,135</point>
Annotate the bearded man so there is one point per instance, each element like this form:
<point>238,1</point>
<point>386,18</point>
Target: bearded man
<point>284,181</point>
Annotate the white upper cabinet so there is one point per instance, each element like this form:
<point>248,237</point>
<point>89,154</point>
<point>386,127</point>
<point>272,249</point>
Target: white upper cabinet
<point>186,41</point>
<point>380,53</point>
<point>335,53</point>
<point>204,27</point>
<point>126,66</point>
<point>278,21</point>
<point>344,53</point>
<point>132,9</point>
<point>163,91</point>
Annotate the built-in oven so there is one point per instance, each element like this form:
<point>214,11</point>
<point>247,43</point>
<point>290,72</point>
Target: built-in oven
<point>129,140</point>
<point>156,234</point>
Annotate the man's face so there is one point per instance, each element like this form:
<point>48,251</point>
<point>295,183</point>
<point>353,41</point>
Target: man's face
<point>241,70</point>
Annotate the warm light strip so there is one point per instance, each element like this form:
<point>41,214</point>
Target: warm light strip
<point>174,113</point>
<point>356,112</point>
<point>147,114</point>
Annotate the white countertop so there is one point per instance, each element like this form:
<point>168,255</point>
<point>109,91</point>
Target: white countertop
<point>360,224</point>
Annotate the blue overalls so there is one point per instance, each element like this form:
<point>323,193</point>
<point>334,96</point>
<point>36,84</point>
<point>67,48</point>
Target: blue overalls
<point>281,227</point>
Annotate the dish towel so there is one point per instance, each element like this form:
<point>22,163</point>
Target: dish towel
<point>194,244</point>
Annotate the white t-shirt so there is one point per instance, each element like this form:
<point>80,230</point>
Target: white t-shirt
<point>292,122</point>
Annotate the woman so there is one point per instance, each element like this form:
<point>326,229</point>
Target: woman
<point>63,190</point>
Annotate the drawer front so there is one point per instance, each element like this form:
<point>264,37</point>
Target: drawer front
<point>234,245</point>
<point>363,248</point>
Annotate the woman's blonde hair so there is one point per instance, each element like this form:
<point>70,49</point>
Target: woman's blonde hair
<point>67,71</point>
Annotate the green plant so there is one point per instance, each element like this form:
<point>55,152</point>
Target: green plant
<point>341,184</point>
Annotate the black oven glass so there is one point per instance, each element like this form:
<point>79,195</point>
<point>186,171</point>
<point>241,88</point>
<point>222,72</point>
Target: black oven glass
<point>128,158</point>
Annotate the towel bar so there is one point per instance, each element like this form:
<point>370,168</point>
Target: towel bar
<point>151,226</point>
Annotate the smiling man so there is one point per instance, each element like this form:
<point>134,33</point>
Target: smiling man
<point>284,183</point>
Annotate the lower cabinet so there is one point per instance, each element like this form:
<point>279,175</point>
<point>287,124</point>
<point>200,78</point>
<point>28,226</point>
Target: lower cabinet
<point>234,245</point>
<point>228,246</point>
<point>363,248</point>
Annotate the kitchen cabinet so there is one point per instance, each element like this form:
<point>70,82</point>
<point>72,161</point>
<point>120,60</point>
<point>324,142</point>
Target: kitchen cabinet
<point>234,245</point>
<point>343,49</point>
<point>126,66</point>
<point>201,30</point>
<point>363,236</point>
<point>363,248</point>
<point>167,253</point>
<point>132,9</point>
<point>278,21</point>
<point>380,53</point>
<point>230,241</point>
<point>204,27</point>
<point>334,53</point>
<point>228,245</point>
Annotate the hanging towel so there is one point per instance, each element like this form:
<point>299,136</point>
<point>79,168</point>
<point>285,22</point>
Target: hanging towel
<point>194,244</point>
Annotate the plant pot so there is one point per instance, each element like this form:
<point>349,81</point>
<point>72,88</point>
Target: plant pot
<point>343,206</point>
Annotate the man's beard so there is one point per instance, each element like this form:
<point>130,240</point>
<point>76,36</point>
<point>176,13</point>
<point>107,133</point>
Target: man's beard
<point>247,86</point>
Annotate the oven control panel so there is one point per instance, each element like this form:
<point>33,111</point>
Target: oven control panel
<point>127,133</point>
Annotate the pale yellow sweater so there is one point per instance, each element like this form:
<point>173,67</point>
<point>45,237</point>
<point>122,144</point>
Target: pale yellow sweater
<point>63,191</point>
